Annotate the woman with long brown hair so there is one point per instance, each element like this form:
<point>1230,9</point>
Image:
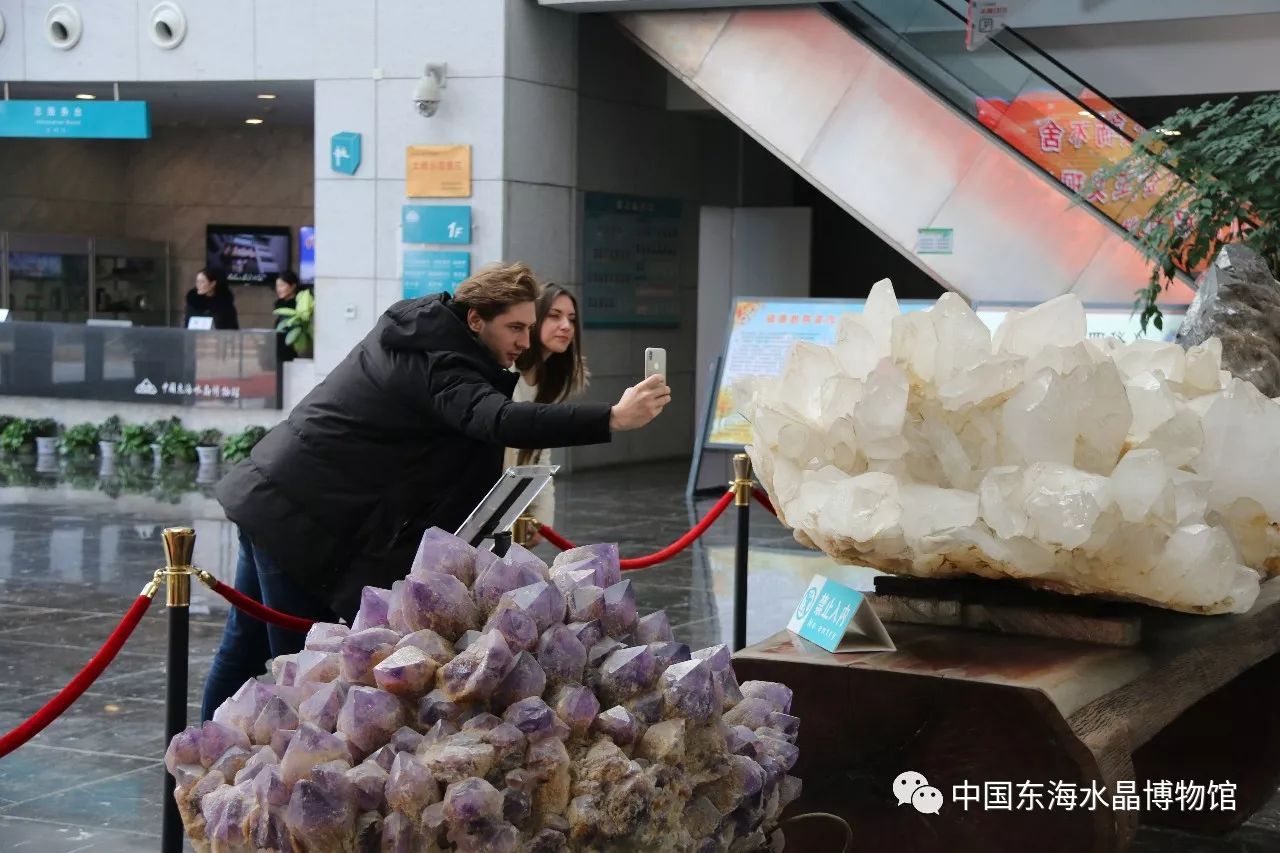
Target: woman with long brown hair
<point>551,370</point>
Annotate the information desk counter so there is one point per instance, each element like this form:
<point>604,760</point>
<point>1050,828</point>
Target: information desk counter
<point>206,369</point>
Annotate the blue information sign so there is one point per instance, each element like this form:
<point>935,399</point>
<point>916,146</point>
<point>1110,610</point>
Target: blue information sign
<point>838,619</point>
<point>427,272</point>
<point>75,119</point>
<point>436,223</point>
<point>344,152</point>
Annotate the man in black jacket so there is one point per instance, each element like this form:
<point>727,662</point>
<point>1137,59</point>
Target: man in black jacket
<point>407,433</point>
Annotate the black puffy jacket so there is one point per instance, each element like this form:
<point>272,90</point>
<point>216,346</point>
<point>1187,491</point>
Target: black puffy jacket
<point>406,433</point>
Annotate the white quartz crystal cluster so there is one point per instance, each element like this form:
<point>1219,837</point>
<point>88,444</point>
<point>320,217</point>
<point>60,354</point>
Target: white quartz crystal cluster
<point>924,444</point>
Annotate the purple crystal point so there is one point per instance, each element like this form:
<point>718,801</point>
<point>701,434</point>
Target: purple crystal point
<point>536,720</point>
<point>396,619</point>
<point>216,738</point>
<point>577,707</point>
<point>602,559</point>
<point>627,672</point>
<point>588,633</point>
<point>569,577</point>
<point>284,669</point>
<point>561,655</point>
<point>369,717</point>
<point>226,809</point>
<point>280,740</point>
<point>410,785</point>
<point>654,628</point>
<point>322,708</point>
<point>183,749</point>
<point>231,762</point>
<point>362,651</point>
<point>525,679</point>
<point>325,637</point>
<point>317,667</point>
<point>752,713</point>
<point>586,603</point>
<point>472,800</point>
<point>596,654</point>
<point>618,724</point>
<point>667,653</point>
<point>369,782</point>
<point>269,787</point>
<point>541,600</point>
<point>464,642</point>
<point>688,690</point>
<point>444,553</point>
<point>502,576</point>
<point>777,695</point>
<point>436,647</point>
<point>517,627</point>
<point>740,740</point>
<point>375,605</point>
<point>319,818</point>
<point>482,722</point>
<point>436,706</point>
<point>619,609</point>
<point>508,744</point>
<point>474,674</point>
<point>441,603</point>
<point>408,672</point>
<point>648,706</point>
<point>310,746</point>
<point>275,715</point>
<point>240,711</point>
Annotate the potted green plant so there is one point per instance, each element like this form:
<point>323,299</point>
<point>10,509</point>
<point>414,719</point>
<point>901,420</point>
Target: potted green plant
<point>108,437</point>
<point>46,432</point>
<point>159,428</point>
<point>135,440</point>
<point>177,444</point>
<point>207,447</point>
<point>238,445</point>
<point>298,323</point>
<point>79,441</point>
<point>16,435</point>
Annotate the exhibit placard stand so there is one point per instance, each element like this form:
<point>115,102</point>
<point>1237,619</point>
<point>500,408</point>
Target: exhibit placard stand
<point>494,517</point>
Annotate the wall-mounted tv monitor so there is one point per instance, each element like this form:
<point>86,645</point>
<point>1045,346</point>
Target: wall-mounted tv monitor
<point>307,254</point>
<point>34,265</point>
<point>249,254</point>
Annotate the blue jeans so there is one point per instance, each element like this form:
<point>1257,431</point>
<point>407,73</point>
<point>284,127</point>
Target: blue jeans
<point>248,644</point>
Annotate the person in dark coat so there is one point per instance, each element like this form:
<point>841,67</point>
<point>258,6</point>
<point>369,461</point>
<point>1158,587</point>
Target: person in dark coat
<point>407,433</point>
<point>211,297</point>
<point>287,285</point>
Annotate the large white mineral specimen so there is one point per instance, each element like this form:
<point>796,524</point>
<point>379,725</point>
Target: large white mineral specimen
<point>922,444</point>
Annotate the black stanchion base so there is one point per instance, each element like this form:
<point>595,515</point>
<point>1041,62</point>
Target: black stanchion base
<point>740,579</point>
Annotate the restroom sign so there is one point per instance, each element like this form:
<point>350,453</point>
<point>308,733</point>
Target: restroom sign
<point>344,152</point>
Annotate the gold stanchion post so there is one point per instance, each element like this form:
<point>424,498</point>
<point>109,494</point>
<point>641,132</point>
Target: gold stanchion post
<point>741,486</point>
<point>179,547</point>
<point>524,529</point>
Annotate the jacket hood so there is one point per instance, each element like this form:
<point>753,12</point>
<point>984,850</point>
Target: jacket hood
<point>428,324</point>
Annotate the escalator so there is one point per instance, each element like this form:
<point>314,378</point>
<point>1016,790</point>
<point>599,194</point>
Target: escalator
<point>968,163</point>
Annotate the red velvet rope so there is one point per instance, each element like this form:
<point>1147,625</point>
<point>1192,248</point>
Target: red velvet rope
<point>762,497</point>
<point>260,611</point>
<point>78,685</point>
<point>666,553</point>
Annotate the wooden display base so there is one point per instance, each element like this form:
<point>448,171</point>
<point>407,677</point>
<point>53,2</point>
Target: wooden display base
<point>1007,607</point>
<point>1194,702</point>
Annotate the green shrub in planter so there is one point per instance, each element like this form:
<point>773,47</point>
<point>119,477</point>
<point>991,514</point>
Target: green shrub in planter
<point>17,435</point>
<point>109,430</point>
<point>177,444</point>
<point>136,440</point>
<point>210,438</point>
<point>45,427</point>
<point>79,440</point>
<point>239,444</point>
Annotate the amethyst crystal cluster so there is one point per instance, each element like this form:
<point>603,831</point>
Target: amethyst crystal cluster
<point>486,704</point>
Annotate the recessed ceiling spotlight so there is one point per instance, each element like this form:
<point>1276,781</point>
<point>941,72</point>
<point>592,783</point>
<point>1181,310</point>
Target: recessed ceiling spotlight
<point>1084,113</point>
<point>84,97</point>
<point>266,97</point>
<point>253,121</point>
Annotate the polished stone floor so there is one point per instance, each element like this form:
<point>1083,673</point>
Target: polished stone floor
<point>73,556</point>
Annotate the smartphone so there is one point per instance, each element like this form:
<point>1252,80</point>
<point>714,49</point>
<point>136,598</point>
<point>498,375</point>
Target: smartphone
<point>655,361</point>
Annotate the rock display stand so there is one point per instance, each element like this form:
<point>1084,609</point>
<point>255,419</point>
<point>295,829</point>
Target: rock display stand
<point>1193,702</point>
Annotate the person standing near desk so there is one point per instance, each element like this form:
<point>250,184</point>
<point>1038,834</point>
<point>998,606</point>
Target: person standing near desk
<point>211,297</point>
<point>286,297</point>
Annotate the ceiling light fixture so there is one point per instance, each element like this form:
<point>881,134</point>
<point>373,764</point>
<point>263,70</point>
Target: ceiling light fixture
<point>83,97</point>
<point>1084,113</point>
<point>253,121</point>
<point>266,97</point>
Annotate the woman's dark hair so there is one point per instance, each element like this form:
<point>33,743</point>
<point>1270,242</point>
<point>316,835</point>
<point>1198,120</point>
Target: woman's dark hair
<point>220,288</point>
<point>558,375</point>
<point>289,277</point>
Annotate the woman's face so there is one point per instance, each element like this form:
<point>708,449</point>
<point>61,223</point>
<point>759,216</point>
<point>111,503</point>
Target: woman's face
<point>285,290</point>
<point>557,327</point>
<point>204,286</point>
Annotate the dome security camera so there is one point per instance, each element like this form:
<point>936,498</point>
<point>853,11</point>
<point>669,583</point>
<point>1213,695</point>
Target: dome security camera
<point>426,92</point>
